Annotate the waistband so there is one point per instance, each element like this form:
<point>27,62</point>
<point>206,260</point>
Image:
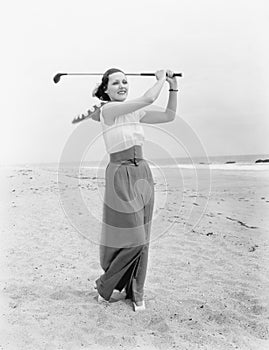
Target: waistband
<point>133,154</point>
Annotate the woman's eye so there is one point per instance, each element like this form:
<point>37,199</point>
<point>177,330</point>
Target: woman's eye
<point>123,82</point>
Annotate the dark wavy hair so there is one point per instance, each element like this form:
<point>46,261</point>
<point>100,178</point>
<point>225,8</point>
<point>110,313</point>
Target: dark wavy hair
<point>100,92</point>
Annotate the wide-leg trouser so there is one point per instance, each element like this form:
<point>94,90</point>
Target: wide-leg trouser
<point>127,218</point>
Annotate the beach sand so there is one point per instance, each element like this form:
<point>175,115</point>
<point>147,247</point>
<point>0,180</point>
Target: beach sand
<point>207,284</point>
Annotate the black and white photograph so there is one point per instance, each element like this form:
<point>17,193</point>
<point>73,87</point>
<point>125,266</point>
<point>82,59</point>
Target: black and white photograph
<point>134,172</point>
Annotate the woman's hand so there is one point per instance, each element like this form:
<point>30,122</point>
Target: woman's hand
<point>170,79</point>
<point>160,74</point>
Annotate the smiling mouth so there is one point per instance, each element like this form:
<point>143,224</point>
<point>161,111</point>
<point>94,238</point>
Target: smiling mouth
<point>122,92</point>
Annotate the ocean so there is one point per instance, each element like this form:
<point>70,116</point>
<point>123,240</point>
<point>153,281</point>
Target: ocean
<point>228,162</point>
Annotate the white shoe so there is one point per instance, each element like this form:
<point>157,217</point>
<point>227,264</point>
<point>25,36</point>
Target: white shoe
<point>100,299</point>
<point>139,307</point>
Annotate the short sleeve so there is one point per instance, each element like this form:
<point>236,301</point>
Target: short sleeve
<point>102,119</point>
<point>101,116</point>
<point>141,114</point>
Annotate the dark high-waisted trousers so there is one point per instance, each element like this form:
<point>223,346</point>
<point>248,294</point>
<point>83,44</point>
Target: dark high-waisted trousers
<point>127,217</point>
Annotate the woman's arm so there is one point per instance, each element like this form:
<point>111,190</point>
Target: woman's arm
<point>153,117</point>
<point>114,109</point>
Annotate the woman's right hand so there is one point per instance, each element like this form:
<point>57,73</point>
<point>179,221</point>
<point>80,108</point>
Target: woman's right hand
<point>160,74</point>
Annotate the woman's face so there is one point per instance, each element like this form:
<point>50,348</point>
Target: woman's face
<point>117,87</point>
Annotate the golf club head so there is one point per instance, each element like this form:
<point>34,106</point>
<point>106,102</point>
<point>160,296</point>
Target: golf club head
<point>57,77</point>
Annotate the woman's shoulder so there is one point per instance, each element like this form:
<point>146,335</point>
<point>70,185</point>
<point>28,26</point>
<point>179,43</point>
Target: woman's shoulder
<point>133,116</point>
<point>107,104</point>
<point>117,103</point>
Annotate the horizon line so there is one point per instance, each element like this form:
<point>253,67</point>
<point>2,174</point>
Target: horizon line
<point>96,160</point>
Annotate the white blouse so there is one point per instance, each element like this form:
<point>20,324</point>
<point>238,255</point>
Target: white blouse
<point>124,133</point>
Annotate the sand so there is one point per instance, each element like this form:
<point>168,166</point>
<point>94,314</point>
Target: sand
<point>207,284</point>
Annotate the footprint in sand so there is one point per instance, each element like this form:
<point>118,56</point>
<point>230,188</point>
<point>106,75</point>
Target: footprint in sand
<point>107,341</point>
<point>59,296</point>
<point>83,294</point>
<point>158,323</point>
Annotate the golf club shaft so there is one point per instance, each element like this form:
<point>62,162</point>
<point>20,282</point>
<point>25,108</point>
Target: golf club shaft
<point>141,74</point>
<point>57,77</point>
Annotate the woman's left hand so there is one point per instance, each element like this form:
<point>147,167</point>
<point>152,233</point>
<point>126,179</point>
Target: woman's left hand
<point>170,79</point>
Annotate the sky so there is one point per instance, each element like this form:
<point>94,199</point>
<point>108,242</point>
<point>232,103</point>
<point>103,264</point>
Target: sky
<point>221,46</point>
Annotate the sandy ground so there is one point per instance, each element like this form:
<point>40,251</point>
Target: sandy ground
<point>207,285</point>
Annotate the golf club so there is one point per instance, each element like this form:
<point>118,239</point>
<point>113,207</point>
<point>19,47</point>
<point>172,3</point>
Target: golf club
<point>57,77</point>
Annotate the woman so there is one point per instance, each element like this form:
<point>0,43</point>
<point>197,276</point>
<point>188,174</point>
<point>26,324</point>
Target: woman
<point>129,188</point>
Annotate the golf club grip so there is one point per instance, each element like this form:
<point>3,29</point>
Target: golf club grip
<point>153,74</point>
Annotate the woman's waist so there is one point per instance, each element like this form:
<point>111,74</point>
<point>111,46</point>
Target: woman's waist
<point>133,154</point>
